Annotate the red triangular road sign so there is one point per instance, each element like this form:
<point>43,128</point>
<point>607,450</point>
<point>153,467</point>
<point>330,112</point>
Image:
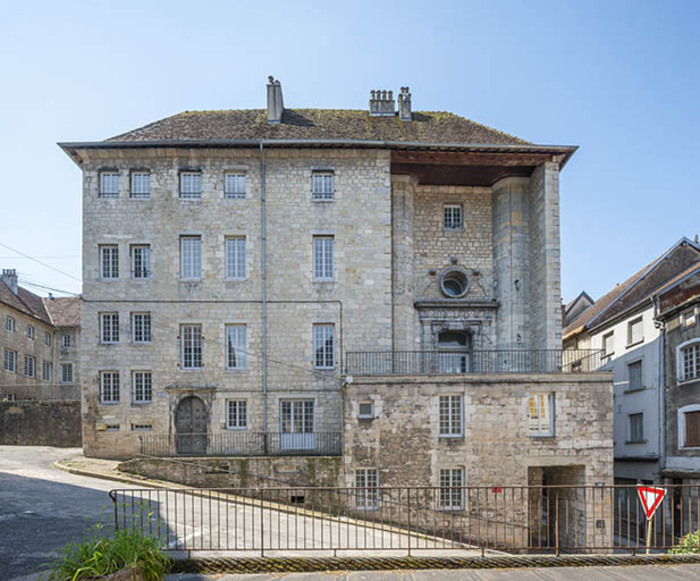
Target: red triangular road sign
<point>651,498</point>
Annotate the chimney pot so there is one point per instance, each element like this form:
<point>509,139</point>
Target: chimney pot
<point>405,113</point>
<point>9,277</point>
<point>381,103</point>
<point>275,103</point>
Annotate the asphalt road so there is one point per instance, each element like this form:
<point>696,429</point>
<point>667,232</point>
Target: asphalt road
<point>43,508</point>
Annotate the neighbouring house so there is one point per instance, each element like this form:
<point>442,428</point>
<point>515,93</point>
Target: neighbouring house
<point>622,324</point>
<point>382,284</point>
<point>39,338</point>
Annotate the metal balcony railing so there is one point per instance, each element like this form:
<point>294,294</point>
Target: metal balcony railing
<point>242,444</point>
<point>483,361</point>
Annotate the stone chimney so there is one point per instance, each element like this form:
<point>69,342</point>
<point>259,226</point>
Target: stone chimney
<point>9,277</point>
<point>381,104</point>
<point>405,105</point>
<point>275,105</point>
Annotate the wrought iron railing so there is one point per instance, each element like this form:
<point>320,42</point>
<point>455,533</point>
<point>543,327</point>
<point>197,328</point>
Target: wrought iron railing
<point>482,361</point>
<point>242,444</point>
<point>516,519</point>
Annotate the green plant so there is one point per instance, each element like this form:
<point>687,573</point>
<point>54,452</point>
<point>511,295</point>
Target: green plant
<point>98,555</point>
<point>690,543</point>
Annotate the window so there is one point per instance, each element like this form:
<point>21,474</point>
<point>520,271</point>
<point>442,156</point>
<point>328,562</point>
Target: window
<point>453,217</point>
<point>10,361</point>
<point>236,347</point>
<point>191,257</point>
<point>454,352</point>
<point>47,339</point>
<point>191,342</point>
<point>66,341</point>
<point>322,185</point>
<point>635,332</point>
<point>111,427</point>
<point>324,350</point>
<point>29,366</point>
<point>140,261</point>
<point>689,426</point>
<point>66,373</point>
<point>634,376</point>
<point>109,327</point>
<point>636,426</point>
<point>366,489</point>
<point>109,262</point>
<point>689,318</point>
<point>689,361</point>
<point>30,332</point>
<point>235,257</point>
<point>141,327</point>
<point>234,185</point>
<point>140,185</point>
<point>608,347</point>
<point>237,414</point>
<point>109,387</point>
<point>365,410</point>
<point>142,386</point>
<point>452,489</point>
<point>323,257</point>
<point>109,184</point>
<point>454,283</point>
<point>46,371</point>
<point>541,414</point>
<point>10,324</point>
<point>191,185</point>
<point>141,427</point>
<point>451,414</point>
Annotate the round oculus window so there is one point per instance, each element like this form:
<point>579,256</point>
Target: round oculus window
<point>454,283</point>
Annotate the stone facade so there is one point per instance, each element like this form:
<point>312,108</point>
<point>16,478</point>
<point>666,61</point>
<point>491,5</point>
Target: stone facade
<point>40,423</point>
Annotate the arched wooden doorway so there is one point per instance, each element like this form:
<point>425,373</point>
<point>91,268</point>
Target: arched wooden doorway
<point>191,423</point>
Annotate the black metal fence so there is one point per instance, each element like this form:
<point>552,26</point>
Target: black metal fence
<point>243,444</point>
<point>532,520</point>
<point>489,361</point>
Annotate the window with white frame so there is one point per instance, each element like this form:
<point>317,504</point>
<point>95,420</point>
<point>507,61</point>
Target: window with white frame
<point>365,410</point>
<point>236,414</point>
<point>109,387</point>
<point>453,217</point>
<point>322,185</point>
<point>191,257</point>
<point>541,414</point>
<point>688,367</point>
<point>191,346</point>
<point>324,346</point>
<point>29,366</point>
<point>30,332</point>
<point>109,262</point>
<point>366,489</point>
<point>10,324</point>
<point>141,327</point>
<point>10,361</point>
<point>451,414</point>
<point>66,373</point>
<point>109,327</point>
<point>689,426</point>
<point>140,184</point>
<point>323,257</point>
<point>607,344</point>
<point>109,184</point>
<point>236,347</point>
<point>66,341</point>
<point>635,332</point>
<point>452,488</point>
<point>191,185</point>
<point>140,261</point>
<point>47,371</point>
<point>47,339</point>
<point>636,427</point>
<point>634,376</point>
<point>235,257</point>
<point>234,184</point>
<point>142,386</point>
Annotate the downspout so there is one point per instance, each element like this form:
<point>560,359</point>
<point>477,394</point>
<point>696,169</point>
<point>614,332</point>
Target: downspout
<point>662,387</point>
<point>263,265</point>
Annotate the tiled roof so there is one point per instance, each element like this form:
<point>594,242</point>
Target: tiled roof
<point>24,301</point>
<point>64,311</point>
<point>317,124</point>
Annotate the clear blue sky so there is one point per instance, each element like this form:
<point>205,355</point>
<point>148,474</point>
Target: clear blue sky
<point>620,79</point>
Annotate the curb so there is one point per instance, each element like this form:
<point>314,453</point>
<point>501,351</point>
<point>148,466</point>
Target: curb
<point>115,477</point>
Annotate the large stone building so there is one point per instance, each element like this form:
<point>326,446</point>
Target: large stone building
<point>39,338</point>
<point>267,281</point>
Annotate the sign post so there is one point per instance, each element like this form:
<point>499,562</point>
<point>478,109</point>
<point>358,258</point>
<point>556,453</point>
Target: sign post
<point>651,498</point>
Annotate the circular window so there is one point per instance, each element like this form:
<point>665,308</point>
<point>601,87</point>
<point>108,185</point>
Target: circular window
<point>454,283</point>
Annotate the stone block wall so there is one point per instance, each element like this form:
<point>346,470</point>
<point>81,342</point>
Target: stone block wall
<point>40,423</point>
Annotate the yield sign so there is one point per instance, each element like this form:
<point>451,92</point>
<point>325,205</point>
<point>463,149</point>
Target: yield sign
<point>651,498</point>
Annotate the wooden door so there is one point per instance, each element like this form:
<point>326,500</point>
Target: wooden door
<point>191,423</point>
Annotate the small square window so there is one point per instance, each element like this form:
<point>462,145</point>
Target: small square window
<point>365,410</point>
<point>112,428</point>
<point>141,427</point>
<point>234,185</point>
<point>109,184</point>
<point>191,185</point>
<point>237,414</point>
<point>322,185</point>
<point>689,318</point>
<point>140,185</point>
<point>635,332</point>
<point>453,217</point>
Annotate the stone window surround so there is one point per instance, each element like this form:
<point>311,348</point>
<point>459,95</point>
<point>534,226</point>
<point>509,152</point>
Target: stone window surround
<point>453,217</point>
<point>680,378</point>
<point>681,425</point>
<point>241,414</point>
<point>547,430</point>
<point>322,195</point>
<point>236,193</point>
<point>145,389</point>
<point>105,176</point>
<point>433,328</point>
<point>447,428</point>
<point>367,494</point>
<point>193,194</point>
<point>446,481</point>
<point>135,174</point>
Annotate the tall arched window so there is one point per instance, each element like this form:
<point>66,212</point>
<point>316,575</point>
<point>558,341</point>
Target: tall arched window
<point>454,352</point>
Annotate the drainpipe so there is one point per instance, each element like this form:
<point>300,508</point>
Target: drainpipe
<point>263,264</point>
<point>662,387</point>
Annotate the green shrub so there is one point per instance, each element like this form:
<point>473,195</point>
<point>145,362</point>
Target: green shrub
<point>690,543</point>
<point>98,555</point>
